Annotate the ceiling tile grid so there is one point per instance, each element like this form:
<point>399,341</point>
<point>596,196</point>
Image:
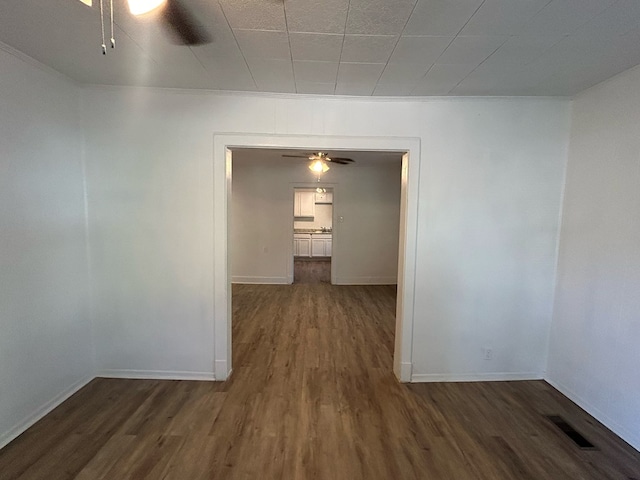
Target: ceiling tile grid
<point>342,47</point>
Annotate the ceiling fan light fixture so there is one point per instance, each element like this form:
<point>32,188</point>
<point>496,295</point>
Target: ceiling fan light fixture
<point>140,7</point>
<point>319,166</point>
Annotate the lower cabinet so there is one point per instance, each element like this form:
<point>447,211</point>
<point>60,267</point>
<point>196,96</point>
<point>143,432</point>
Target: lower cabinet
<point>312,245</point>
<point>321,245</point>
<point>302,245</point>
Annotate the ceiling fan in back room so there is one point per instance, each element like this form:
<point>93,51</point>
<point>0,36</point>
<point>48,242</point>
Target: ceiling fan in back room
<point>174,15</point>
<point>320,161</point>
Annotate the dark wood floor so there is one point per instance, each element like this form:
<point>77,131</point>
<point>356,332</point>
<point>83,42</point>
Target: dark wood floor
<point>312,396</point>
<point>312,270</point>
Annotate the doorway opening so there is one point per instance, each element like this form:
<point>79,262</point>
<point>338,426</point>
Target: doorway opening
<point>225,144</point>
<point>312,234</point>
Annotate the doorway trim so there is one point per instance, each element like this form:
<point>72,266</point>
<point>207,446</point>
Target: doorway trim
<point>224,143</point>
<point>334,220</point>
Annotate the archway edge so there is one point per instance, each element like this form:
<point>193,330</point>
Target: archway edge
<point>224,143</point>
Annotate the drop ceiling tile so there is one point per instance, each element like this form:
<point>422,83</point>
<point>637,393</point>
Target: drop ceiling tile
<point>502,17</point>
<point>521,50</point>
<point>315,72</point>
<point>618,19</point>
<point>360,73</point>
<point>354,89</point>
<point>485,80</point>
<point>441,79</point>
<point>263,44</point>
<point>216,50</point>
<point>397,73</point>
<point>573,79</point>
<point>313,16</point>
<point>447,74</point>
<point>393,90</point>
<point>368,48</point>
<point>272,69</point>
<point>440,17</point>
<point>254,14</point>
<point>272,75</point>
<point>432,90</point>
<point>378,17</point>
<point>316,46</point>
<point>316,88</point>
<point>562,17</point>
<point>424,50</point>
<point>277,87</point>
<point>228,70</point>
<point>471,49</point>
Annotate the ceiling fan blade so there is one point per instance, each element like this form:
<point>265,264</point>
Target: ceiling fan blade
<point>297,156</point>
<point>341,159</point>
<point>183,24</point>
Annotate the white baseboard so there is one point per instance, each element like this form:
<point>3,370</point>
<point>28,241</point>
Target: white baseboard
<point>631,438</point>
<point>474,377</point>
<point>40,412</point>
<point>405,372</point>
<point>156,375</point>
<point>221,370</point>
<point>260,280</point>
<point>366,280</point>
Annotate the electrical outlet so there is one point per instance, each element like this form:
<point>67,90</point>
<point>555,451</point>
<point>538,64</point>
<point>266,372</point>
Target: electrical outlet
<point>487,353</point>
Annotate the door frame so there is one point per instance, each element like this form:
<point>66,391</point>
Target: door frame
<point>224,143</point>
<point>334,187</point>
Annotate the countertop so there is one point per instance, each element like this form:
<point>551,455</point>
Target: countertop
<point>311,230</point>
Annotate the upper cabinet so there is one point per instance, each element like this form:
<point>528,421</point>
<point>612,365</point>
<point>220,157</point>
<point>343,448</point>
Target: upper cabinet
<point>326,197</point>
<point>304,204</point>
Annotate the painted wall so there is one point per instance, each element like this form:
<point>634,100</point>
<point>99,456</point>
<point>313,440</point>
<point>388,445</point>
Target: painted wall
<point>45,335</point>
<point>365,245</point>
<point>489,202</point>
<point>594,355</point>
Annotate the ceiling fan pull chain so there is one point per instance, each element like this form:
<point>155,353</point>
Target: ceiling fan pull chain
<point>104,47</point>
<point>113,40</point>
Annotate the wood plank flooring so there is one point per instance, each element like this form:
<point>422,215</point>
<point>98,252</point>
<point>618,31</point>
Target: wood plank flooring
<point>312,396</point>
<point>312,270</point>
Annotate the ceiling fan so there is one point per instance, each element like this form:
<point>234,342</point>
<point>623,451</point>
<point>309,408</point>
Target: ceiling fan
<point>322,157</point>
<point>173,14</point>
<point>320,160</point>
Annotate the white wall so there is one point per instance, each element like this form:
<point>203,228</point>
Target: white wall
<point>45,338</point>
<point>595,355</point>
<point>489,204</point>
<point>365,245</point>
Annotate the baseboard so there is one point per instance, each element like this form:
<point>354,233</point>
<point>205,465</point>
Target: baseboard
<point>156,375</point>
<point>626,435</point>
<point>221,370</point>
<point>31,419</point>
<point>474,377</point>
<point>260,280</point>
<point>405,372</point>
<point>366,280</point>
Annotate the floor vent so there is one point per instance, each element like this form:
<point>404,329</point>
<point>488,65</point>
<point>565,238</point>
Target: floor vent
<point>570,432</point>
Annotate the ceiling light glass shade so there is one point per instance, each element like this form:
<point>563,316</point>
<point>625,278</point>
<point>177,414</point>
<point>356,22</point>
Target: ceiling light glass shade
<point>319,166</point>
<point>140,7</point>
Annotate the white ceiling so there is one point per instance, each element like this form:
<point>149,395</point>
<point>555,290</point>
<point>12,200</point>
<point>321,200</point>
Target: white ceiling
<point>343,47</point>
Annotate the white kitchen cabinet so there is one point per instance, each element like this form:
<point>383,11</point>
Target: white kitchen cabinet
<point>312,244</point>
<point>317,247</point>
<point>302,245</point>
<point>304,204</point>
<point>324,198</point>
<point>321,245</point>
